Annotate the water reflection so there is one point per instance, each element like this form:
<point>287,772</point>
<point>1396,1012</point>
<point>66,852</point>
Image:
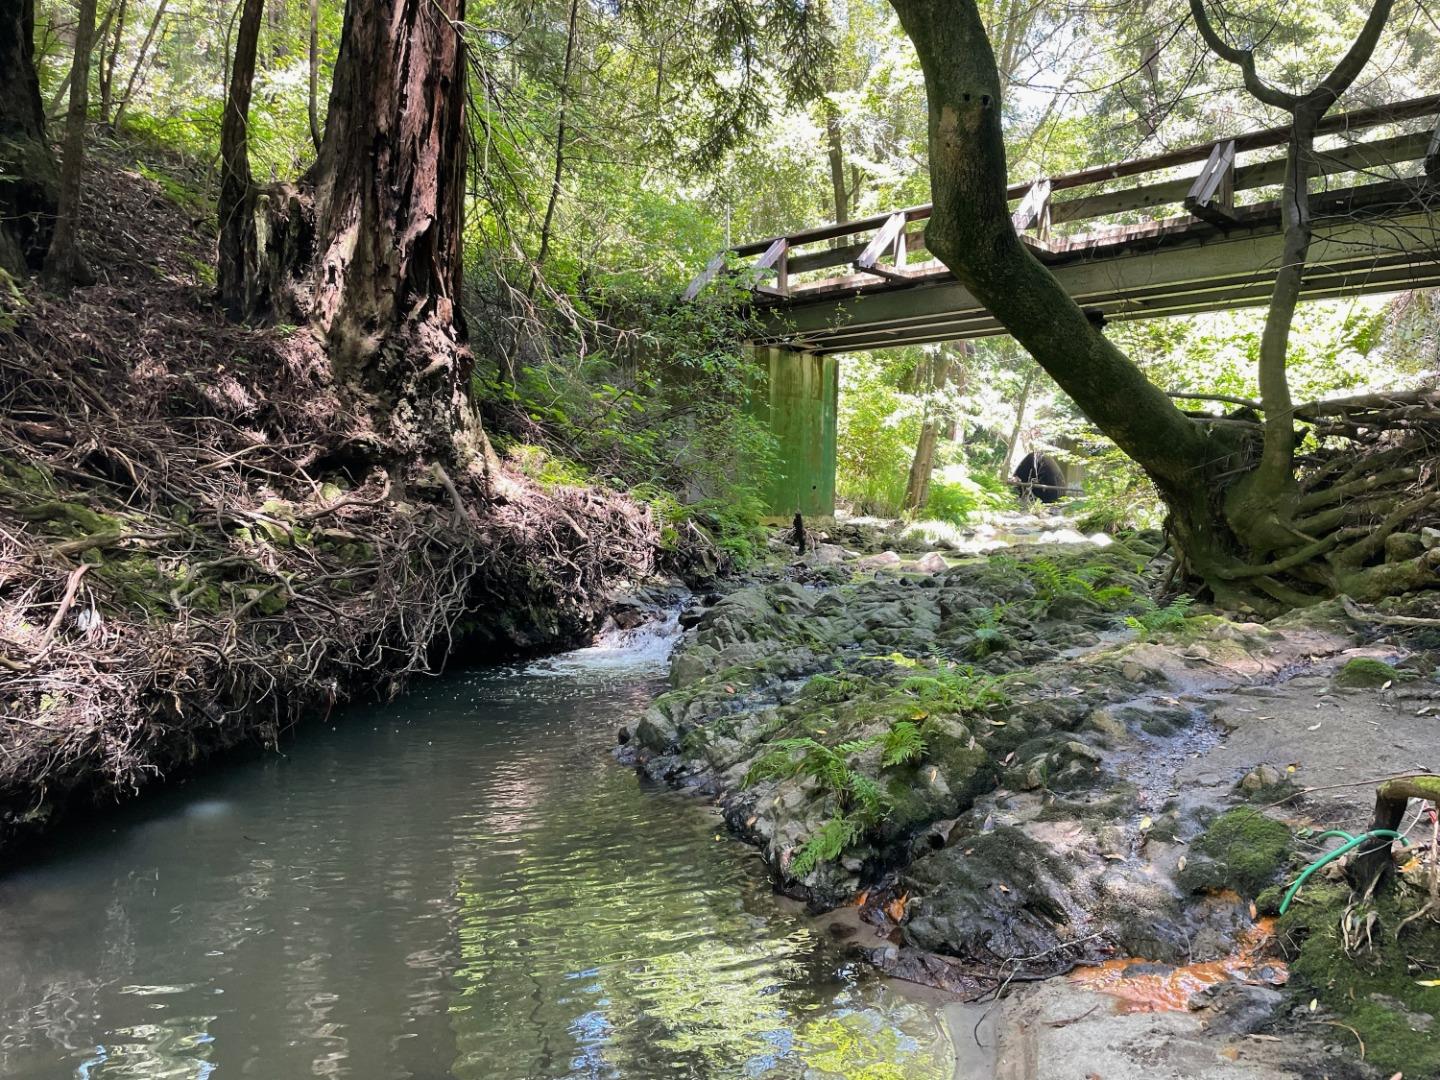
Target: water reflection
<point>458,884</point>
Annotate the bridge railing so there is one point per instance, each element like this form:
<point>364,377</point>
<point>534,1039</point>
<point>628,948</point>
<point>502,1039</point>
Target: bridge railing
<point>882,248</point>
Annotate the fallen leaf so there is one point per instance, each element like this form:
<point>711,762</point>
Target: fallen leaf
<point>1254,911</point>
<point>1314,1004</point>
<point>1386,684</point>
<point>729,689</point>
<point>1427,982</point>
<point>1314,727</point>
<point>1004,888</point>
<point>996,723</point>
<point>1145,823</point>
<point>1230,1053</point>
<point>1181,864</point>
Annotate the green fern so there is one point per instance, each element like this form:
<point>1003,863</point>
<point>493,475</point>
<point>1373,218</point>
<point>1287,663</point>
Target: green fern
<point>1154,618</point>
<point>959,689</point>
<point>904,742</point>
<point>827,844</point>
<point>829,689</point>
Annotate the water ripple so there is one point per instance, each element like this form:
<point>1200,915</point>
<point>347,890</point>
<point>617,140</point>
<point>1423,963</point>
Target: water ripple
<point>457,884</point>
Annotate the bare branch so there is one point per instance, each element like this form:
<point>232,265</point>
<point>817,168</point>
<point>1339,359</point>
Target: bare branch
<point>1244,59</point>
<point>1353,62</point>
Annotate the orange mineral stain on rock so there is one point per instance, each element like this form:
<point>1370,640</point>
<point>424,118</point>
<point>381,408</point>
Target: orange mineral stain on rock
<point>1171,990</point>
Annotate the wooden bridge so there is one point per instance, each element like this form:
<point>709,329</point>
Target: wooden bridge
<point>1105,234</point>
<point>1135,240</point>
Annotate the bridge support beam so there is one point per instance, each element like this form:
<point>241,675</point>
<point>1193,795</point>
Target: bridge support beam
<point>801,409</point>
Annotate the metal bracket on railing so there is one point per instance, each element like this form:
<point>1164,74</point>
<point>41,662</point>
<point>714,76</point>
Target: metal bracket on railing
<point>891,238</point>
<point>1034,210</point>
<point>1212,196</point>
<point>713,267</point>
<point>776,255</point>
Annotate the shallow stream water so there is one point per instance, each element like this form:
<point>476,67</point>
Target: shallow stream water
<point>461,883</point>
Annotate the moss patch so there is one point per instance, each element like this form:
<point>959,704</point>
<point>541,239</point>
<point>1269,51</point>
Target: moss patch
<point>1241,850</point>
<point>1377,992</point>
<point>1364,671</point>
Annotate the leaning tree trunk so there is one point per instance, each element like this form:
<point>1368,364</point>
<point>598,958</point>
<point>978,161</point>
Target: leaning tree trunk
<point>367,247</point>
<point>1238,516</point>
<point>29,180</point>
<point>934,374</point>
<point>64,262</point>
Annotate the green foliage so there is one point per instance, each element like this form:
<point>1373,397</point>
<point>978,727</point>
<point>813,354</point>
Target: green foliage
<point>957,494</point>
<point>1154,619</point>
<point>1084,586</point>
<point>903,742</point>
<point>987,633</point>
<point>827,843</point>
<point>1380,991</point>
<point>956,689</point>
<point>860,802</point>
<point>829,689</point>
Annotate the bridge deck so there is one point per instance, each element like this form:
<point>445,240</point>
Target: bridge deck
<point>1380,232</point>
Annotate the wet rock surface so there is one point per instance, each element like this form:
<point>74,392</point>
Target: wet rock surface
<point>1005,766</point>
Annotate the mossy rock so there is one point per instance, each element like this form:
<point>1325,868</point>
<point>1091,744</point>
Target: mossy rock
<point>1377,991</point>
<point>1364,672</point>
<point>1242,850</point>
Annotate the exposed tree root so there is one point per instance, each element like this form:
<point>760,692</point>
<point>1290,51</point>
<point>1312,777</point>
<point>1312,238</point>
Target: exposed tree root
<point>1351,523</point>
<point>202,538</point>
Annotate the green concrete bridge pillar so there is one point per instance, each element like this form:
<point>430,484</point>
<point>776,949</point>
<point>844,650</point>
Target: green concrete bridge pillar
<point>801,409</point>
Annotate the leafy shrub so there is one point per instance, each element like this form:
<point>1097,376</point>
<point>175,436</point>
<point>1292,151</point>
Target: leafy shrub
<point>956,495</point>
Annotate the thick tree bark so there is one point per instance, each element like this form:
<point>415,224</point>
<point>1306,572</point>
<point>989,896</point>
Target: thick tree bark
<point>64,263</point>
<point>236,273</point>
<point>367,247</point>
<point>29,180</point>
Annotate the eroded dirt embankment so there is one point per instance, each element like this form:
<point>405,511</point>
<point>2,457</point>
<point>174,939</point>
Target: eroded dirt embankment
<point>202,538</point>
<point>1008,768</point>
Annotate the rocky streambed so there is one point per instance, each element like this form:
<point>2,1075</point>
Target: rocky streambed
<point>995,770</point>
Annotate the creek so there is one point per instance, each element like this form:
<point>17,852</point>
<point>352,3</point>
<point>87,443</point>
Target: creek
<point>460,883</point>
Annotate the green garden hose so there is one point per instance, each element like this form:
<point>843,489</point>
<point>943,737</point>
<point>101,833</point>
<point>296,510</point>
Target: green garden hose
<point>1351,842</point>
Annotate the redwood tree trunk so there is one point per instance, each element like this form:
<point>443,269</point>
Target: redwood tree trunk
<point>64,263</point>
<point>367,249</point>
<point>29,181</point>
